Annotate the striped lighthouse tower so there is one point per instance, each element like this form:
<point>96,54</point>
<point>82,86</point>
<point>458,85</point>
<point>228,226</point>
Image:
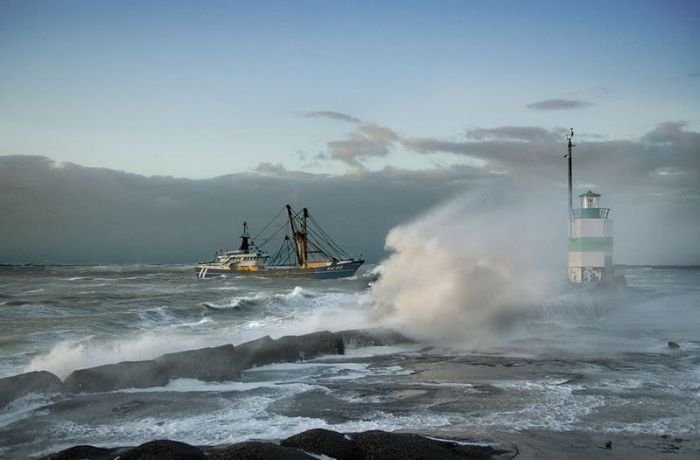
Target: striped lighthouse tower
<point>590,235</point>
<point>590,242</point>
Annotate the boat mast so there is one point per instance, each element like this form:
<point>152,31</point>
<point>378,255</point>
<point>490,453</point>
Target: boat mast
<point>568,156</point>
<point>304,238</point>
<point>300,243</point>
<point>244,238</point>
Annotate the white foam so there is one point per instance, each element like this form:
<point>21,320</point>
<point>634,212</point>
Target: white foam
<point>246,420</point>
<point>198,386</point>
<point>550,405</point>
<point>383,350</point>
<point>22,408</point>
<point>257,298</point>
<point>679,426</point>
<point>70,355</point>
<point>320,371</point>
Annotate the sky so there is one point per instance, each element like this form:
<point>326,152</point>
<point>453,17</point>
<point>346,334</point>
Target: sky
<point>432,98</point>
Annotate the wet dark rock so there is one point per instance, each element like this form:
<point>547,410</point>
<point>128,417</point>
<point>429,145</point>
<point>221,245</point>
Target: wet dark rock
<point>208,364</point>
<point>253,450</point>
<point>164,449</point>
<point>17,386</point>
<point>406,446</point>
<point>110,377</point>
<point>608,445</point>
<point>258,352</point>
<point>266,350</point>
<point>307,346</point>
<point>83,453</point>
<point>673,345</point>
<point>373,337</point>
<point>310,444</point>
<point>324,442</point>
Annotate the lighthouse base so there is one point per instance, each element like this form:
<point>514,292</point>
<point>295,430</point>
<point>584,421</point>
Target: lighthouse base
<point>583,275</point>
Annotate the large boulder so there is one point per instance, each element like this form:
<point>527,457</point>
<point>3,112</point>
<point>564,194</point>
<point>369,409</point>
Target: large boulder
<point>254,450</point>
<point>324,442</point>
<point>266,350</point>
<point>307,346</point>
<point>17,386</point>
<point>164,449</point>
<point>372,337</point>
<point>83,453</point>
<point>407,446</point>
<point>258,352</point>
<point>209,364</point>
<point>110,377</point>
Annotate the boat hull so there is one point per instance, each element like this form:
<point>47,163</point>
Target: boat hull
<point>343,269</point>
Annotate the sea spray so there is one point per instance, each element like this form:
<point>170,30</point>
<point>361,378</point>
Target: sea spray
<point>459,272</point>
<point>69,355</point>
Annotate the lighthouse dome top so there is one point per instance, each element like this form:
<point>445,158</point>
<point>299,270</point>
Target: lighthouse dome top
<point>590,200</point>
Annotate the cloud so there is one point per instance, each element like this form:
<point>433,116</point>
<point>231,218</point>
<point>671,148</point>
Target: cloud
<point>516,150</point>
<point>514,133</point>
<point>673,133</point>
<point>278,170</point>
<point>331,116</point>
<point>559,104</point>
<point>366,141</point>
<point>535,154</point>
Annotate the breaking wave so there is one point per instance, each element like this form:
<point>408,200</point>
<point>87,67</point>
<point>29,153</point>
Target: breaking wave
<point>456,274</point>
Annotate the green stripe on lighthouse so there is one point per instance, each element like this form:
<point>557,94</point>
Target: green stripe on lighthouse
<point>591,244</point>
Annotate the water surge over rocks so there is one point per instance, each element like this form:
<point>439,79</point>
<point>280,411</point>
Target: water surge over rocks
<point>457,273</point>
<point>213,364</point>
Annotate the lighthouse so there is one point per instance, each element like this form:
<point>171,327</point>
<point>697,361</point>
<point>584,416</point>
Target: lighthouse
<point>590,236</point>
<point>590,242</point>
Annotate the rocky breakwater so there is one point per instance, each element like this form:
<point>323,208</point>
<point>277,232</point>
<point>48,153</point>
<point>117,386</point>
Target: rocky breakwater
<point>18,386</point>
<point>213,364</point>
<point>311,444</point>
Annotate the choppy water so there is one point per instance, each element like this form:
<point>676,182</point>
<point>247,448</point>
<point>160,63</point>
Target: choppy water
<point>579,361</point>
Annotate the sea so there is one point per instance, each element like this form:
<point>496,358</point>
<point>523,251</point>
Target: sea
<point>574,359</point>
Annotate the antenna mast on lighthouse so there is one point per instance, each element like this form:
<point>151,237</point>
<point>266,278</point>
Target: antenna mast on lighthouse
<point>568,155</point>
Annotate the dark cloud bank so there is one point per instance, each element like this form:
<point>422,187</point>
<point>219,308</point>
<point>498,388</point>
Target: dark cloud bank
<point>72,214</point>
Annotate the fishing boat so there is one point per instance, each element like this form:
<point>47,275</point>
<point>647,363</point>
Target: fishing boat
<point>306,252</point>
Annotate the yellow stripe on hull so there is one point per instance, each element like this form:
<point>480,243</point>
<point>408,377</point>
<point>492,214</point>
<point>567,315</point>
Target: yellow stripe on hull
<point>251,268</point>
